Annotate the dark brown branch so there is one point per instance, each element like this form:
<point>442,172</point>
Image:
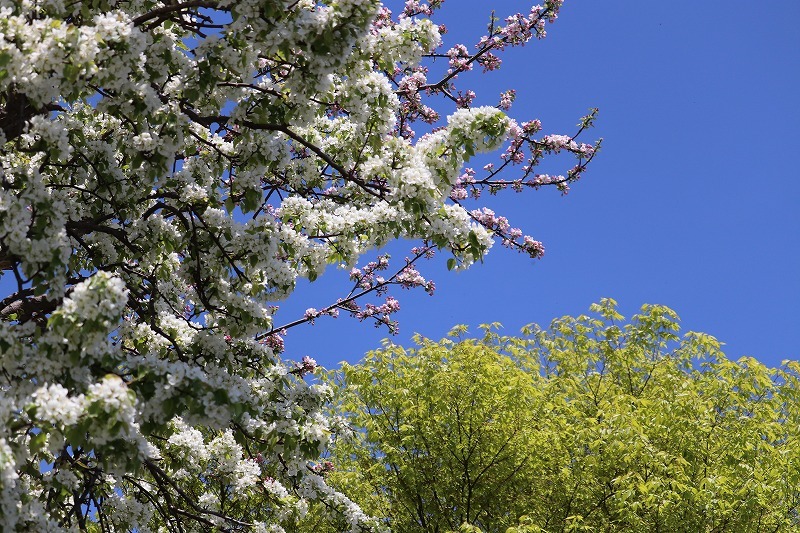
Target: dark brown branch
<point>83,227</point>
<point>7,261</point>
<point>167,10</point>
<point>26,307</point>
<point>17,111</point>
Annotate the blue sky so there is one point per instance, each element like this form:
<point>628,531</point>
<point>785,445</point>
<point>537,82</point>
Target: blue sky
<point>692,203</point>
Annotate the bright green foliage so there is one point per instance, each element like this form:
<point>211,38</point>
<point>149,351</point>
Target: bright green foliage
<point>590,425</point>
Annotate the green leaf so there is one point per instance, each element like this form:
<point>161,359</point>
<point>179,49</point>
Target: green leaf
<point>37,442</point>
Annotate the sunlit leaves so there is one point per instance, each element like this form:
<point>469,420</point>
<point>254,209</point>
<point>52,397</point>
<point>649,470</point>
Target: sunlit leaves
<point>591,424</point>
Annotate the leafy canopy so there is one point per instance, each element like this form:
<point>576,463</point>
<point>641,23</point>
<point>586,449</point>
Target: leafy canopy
<point>590,425</point>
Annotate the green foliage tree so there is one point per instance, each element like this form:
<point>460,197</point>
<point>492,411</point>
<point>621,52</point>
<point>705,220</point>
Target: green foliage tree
<point>590,425</point>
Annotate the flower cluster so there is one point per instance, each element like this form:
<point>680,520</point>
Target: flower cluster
<point>368,277</point>
<point>323,468</point>
<point>306,366</point>
<point>459,58</point>
<point>506,99</point>
<point>410,278</point>
<point>381,314</point>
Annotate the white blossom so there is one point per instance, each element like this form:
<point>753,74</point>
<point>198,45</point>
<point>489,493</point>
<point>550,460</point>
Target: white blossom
<point>54,405</point>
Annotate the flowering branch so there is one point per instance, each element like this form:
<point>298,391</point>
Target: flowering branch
<point>367,282</point>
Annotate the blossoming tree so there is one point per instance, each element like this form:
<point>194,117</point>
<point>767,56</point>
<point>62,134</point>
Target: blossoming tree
<point>170,169</point>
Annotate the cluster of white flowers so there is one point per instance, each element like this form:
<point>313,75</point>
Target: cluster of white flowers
<point>52,133</point>
<point>128,512</point>
<point>365,95</point>
<point>103,296</point>
<point>144,142</point>
<point>9,498</point>
<point>404,42</point>
<point>53,405</point>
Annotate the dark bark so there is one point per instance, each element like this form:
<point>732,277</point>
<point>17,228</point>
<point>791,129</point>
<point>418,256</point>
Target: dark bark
<point>15,114</point>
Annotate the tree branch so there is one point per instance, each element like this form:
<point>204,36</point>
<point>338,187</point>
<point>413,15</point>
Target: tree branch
<point>26,307</point>
<point>170,9</point>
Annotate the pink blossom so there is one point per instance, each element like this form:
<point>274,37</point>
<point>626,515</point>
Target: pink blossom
<point>464,100</point>
<point>507,98</point>
<point>306,366</point>
<point>489,62</point>
<point>323,468</point>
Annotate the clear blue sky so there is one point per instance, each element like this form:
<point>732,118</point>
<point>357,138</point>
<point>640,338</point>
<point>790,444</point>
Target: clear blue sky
<point>692,203</point>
